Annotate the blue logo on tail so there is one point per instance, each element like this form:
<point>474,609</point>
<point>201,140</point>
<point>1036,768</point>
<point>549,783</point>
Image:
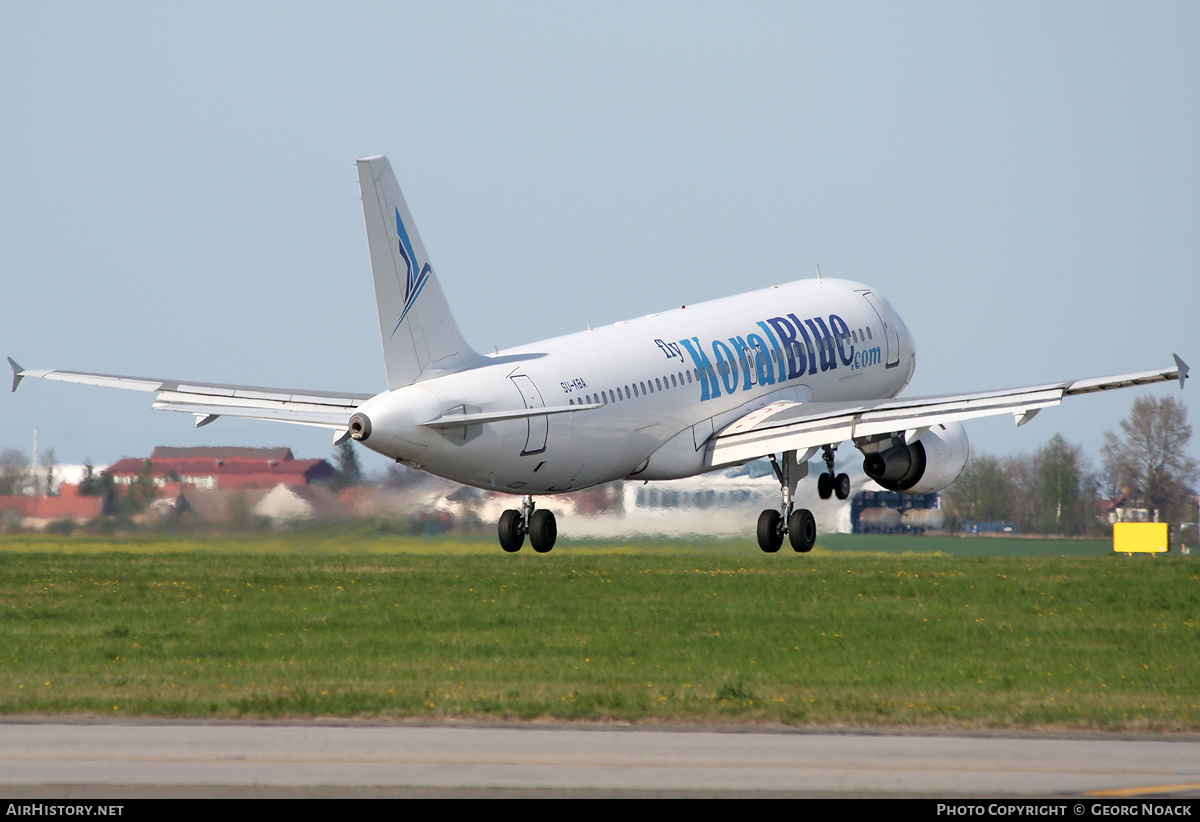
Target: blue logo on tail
<point>412,285</point>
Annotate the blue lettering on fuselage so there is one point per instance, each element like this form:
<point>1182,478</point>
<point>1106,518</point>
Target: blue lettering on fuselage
<point>670,349</point>
<point>798,347</point>
<point>866,357</point>
<point>708,385</point>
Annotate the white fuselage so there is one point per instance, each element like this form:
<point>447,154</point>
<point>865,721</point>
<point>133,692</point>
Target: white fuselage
<point>663,383</point>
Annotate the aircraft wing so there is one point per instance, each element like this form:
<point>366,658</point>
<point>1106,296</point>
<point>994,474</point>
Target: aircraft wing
<point>792,426</point>
<point>211,400</point>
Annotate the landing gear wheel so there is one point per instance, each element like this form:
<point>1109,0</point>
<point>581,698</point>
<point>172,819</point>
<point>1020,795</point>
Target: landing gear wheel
<point>825,486</point>
<point>543,530</point>
<point>770,535</point>
<point>841,486</point>
<point>512,535</point>
<point>802,530</point>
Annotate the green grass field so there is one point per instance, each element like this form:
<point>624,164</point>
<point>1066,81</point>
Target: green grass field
<point>322,625</point>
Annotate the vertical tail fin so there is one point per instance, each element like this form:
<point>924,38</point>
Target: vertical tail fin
<point>420,338</point>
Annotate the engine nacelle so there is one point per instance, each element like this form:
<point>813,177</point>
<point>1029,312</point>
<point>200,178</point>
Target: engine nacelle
<point>929,464</point>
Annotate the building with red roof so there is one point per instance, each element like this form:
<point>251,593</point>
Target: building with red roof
<point>224,468</point>
<point>38,512</point>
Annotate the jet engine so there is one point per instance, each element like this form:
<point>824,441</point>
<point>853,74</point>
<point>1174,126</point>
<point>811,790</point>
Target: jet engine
<point>927,465</point>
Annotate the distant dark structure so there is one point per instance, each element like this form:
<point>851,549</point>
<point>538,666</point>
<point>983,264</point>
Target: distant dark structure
<point>994,527</point>
<point>888,512</point>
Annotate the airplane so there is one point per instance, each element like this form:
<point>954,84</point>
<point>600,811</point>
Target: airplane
<point>782,373</point>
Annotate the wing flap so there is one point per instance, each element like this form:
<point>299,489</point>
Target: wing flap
<point>262,405</point>
<point>103,380</point>
<point>1179,372</point>
<point>891,420</point>
<point>324,418</point>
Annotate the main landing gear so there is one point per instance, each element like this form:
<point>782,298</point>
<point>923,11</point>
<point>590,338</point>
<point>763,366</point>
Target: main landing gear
<point>799,524</point>
<point>540,526</point>
<point>827,483</point>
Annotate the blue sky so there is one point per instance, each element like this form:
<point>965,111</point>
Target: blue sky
<point>178,194</point>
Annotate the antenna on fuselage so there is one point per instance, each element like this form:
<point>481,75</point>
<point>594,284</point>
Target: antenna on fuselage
<point>818,271</point>
<point>589,322</point>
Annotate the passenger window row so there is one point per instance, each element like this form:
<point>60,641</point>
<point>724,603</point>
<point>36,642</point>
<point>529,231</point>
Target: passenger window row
<point>638,389</point>
<point>669,381</point>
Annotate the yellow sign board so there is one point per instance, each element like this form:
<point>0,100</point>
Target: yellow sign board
<point>1140,537</point>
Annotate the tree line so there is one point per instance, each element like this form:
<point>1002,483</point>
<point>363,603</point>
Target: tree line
<point>1056,490</point>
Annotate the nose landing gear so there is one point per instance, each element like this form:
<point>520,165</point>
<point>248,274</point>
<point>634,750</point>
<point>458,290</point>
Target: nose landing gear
<point>540,525</point>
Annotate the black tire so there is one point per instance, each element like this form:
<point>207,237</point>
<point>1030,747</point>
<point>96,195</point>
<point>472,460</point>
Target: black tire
<point>841,486</point>
<point>543,530</point>
<point>802,530</point>
<point>770,535</point>
<point>824,486</point>
<point>512,535</point>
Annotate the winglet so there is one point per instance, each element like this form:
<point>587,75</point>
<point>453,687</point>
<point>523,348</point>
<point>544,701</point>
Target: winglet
<point>1180,364</point>
<point>18,372</point>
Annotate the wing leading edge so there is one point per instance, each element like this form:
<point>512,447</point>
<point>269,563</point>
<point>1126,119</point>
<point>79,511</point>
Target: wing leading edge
<point>211,400</point>
<point>791,426</point>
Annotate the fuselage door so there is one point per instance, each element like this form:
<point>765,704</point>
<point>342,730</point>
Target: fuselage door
<point>889,330</point>
<point>535,440</point>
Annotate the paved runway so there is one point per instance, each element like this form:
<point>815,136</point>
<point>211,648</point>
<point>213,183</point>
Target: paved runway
<point>80,759</point>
